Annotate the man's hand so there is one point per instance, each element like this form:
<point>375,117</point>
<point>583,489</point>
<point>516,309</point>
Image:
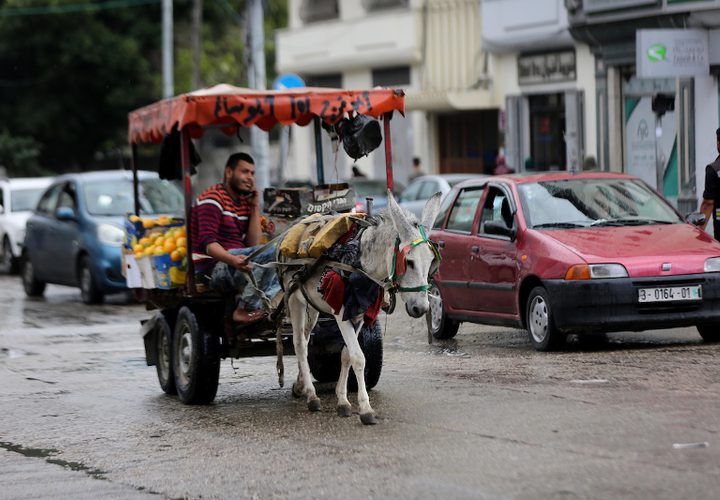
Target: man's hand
<point>241,263</point>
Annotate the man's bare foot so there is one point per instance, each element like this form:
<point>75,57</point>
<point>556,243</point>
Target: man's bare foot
<point>245,317</point>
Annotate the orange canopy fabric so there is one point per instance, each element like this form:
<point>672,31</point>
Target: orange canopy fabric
<point>225,105</point>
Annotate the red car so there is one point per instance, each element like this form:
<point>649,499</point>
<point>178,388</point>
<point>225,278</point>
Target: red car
<point>560,253</point>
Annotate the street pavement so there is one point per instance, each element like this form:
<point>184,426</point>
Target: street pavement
<point>627,415</point>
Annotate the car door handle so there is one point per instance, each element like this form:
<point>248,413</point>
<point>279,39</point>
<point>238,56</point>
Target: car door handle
<point>475,249</point>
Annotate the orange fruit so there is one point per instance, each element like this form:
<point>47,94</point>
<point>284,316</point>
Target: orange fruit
<point>169,246</point>
<point>164,220</point>
<point>139,250</point>
<point>148,223</point>
<point>158,250</point>
<point>144,241</point>
<point>148,251</point>
<point>175,256</point>
<point>181,242</point>
<point>182,251</point>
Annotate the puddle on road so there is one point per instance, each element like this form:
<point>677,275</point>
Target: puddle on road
<point>47,454</point>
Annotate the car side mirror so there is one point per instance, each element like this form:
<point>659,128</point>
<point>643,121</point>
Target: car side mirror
<point>696,218</point>
<point>499,228</point>
<point>65,214</point>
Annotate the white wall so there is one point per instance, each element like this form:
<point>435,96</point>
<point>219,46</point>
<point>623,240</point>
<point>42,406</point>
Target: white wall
<point>585,63</point>
<point>706,122</point>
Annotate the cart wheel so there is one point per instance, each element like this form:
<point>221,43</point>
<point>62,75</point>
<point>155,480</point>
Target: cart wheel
<point>33,287</point>
<point>371,344</point>
<point>324,354</point>
<point>89,291</point>
<point>195,360</point>
<point>164,365</point>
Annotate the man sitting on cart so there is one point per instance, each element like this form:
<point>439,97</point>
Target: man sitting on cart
<point>225,230</point>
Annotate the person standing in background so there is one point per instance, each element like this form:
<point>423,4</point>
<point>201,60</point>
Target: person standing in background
<point>710,206</point>
<point>417,170</point>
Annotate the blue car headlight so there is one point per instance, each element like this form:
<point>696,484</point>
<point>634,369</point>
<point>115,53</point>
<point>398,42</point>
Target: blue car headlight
<point>712,265</point>
<point>110,235</point>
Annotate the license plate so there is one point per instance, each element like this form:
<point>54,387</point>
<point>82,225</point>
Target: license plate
<point>670,293</point>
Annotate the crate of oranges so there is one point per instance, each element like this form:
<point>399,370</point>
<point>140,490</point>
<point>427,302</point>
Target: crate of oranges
<point>162,248</point>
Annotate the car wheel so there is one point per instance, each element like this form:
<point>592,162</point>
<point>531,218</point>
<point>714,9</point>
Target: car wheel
<point>540,322</point>
<point>89,290</point>
<point>8,263</point>
<point>196,360</point>
<point>164,364</point>
<point>438,324</point>
<point>33,287</point>
<point>710,332</point>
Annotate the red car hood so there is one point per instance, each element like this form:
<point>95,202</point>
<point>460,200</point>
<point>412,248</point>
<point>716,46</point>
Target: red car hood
<point>642,249</point>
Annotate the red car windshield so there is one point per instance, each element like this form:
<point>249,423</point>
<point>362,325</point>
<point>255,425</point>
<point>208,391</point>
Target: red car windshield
<point>573,203</point>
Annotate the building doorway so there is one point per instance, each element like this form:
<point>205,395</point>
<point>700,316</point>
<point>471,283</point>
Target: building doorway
<point>547,141</point>
<point>468,141</point>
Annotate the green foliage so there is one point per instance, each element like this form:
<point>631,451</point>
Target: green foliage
<point>19,155</point>
<point>71,72</point>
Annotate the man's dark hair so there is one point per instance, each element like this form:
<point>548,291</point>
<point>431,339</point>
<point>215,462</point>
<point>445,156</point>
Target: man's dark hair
<point>416,161</point>
<point>717,133</point>
<point>235,158</point>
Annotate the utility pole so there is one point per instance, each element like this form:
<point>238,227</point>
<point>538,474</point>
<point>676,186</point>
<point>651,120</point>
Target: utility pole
<point>196,41</point>
<point>255,52</point>
<point>167,49</point>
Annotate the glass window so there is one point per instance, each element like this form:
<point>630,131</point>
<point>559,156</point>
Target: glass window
<point>318,10</point>
<point>496,208</point>
<point>48,202</point>
<point>389,77</point>
<point>463,210</point>
<point>24,199</point>
<point>593,202</point>
<point>67,197</point>
<point>115,197</point>
<point>411,192</point>
<point>427,189</point>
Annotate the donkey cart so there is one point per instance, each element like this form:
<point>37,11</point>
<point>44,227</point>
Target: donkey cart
<point>192,329</point>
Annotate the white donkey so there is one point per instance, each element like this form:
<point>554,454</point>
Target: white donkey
<point>395,252</point>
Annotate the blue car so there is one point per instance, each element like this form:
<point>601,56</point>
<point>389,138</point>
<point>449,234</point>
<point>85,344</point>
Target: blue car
<point>75,235</point>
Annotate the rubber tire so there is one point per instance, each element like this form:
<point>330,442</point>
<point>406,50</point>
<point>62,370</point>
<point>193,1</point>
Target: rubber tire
<point>164,361</point>
<point>325,365</point>
<point>196,360</point>
<point>445,328</point>
<point>33,287</point>
<point>8,263</point>
<point>710,332</point>
<point>90,293</point>
<point>543,334</point>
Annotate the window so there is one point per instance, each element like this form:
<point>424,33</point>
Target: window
<point>390,77</point>
<point>372,5</point>
<point>47,203</point>
<point>463,210</point>
<point>496,208</point>
<point>411,192</point>
<point>23,199</point>
<point>318,10</point>
<point>331,80</point>
<point>115,197</point>
<point>427,189</point>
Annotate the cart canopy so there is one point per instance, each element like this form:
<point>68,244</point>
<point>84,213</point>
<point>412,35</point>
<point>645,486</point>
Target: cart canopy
<point>230,107</point>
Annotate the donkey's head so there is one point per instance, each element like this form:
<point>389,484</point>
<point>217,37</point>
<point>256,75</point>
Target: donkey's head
<point>414,256</point>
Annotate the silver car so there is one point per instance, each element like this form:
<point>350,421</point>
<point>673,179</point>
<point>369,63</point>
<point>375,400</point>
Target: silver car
<point>420,189</point>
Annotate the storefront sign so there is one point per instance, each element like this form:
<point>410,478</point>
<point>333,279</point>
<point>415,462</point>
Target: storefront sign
<point>593,6</point>
<point>671,53</point>
<point>546,68</point>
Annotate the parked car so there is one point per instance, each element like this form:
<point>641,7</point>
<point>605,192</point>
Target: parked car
<point>18,198</point>
<point>372,188</point>
<point>561,253</point>
<point>75,236</point>
<point>420,189</point>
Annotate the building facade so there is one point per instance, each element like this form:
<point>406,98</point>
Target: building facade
<point>430,48</point>
<point>545,80</point>
<point>659,123</point>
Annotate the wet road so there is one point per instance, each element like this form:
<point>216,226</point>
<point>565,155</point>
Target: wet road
<point>481,416</point>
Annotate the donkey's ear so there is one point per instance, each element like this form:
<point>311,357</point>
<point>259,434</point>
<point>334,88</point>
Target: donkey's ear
<point>402,225</point>
<point>429,213</point>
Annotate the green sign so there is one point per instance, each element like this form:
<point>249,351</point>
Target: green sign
<point>657,52</point>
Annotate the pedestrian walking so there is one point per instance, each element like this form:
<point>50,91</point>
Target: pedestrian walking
<point>710,205</point>
<point>417,170</point>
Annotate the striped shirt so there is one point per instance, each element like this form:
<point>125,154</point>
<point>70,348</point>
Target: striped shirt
<point>218,218</point>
